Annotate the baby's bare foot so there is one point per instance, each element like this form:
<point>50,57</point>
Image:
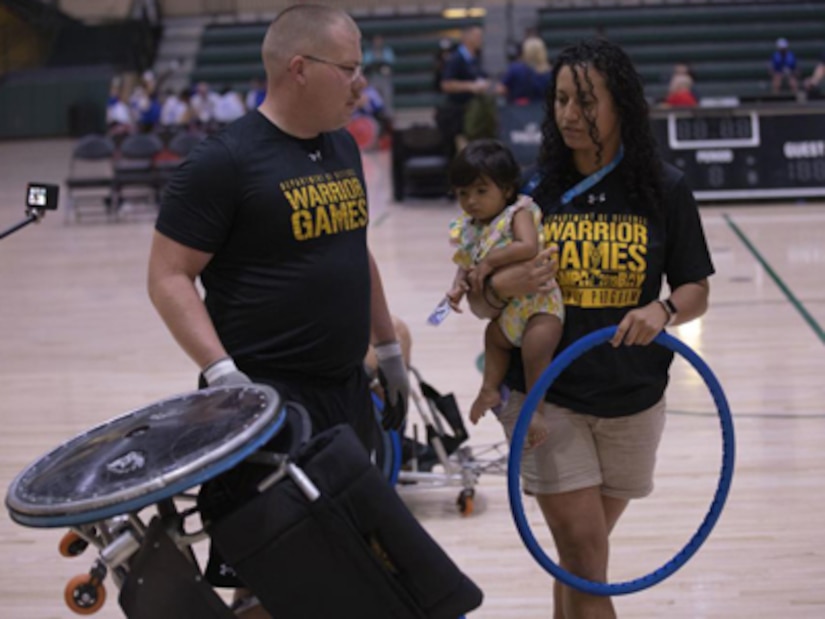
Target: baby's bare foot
<point>486,399</point>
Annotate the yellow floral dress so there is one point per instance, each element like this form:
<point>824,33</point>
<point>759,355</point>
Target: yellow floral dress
<point>474,240</point>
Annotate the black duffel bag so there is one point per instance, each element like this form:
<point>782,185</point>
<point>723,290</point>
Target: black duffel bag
<point>353,551</point>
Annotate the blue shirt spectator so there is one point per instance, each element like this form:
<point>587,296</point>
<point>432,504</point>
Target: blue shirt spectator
<point>783,66</point>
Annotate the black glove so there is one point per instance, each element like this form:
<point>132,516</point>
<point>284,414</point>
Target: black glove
<point>395,380</point>
<point>223,373</point>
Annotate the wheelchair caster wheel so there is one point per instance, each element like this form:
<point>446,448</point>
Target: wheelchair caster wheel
<point>465,502</point>
<point>84,594</point>
<point>72,545</point>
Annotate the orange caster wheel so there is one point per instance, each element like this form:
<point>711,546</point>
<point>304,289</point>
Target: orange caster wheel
<point>72,545</point>
<point>466,502</point>
<point>85,594</point>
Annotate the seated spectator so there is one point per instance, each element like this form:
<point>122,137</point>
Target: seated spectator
<point>229,106</point>
<point>203,102</point>
<point>176,112</point>
<point>783,67</point>
<point>118,116</point>
<point>256,93</point>
<point>815,84</point>
<point>681,92</point>
<point>144,104</point>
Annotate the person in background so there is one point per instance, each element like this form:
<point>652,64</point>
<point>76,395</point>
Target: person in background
<point>442,55</point>
<point>229,107</point>
<point>625,222</point>
<point>203,101</point>
<point>783,67</point>
<point>681,92</point>
<point>255,95</point>
<point>293,296</point>
<point>814,84</point>
<point>535,57</point>
<point>518,84</point>
<point>463,78</point>
<point>176,113</point>
<point>379,59</point>
<point>119,120</point>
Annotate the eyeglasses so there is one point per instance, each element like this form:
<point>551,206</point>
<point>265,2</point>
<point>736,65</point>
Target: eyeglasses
<point>353,72</point>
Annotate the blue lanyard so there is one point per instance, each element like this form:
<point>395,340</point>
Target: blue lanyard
<point>586,183</point>
<point>580,187</point>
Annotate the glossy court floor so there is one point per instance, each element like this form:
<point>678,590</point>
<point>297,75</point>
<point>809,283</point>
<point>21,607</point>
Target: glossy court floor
<point>80,344</point>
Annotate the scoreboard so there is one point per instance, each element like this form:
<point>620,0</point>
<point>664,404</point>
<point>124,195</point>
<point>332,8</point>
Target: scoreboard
<point>774,152</point>
<point>741,153</point>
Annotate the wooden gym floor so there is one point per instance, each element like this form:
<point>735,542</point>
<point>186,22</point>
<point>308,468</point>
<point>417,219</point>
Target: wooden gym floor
<point>81,344</point>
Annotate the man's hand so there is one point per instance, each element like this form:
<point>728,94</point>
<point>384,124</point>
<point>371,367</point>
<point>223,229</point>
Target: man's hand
<point>223,373</point>
<point>395,381</point>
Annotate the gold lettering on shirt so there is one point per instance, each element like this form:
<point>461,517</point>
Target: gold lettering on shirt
<point>602,257</point>
<point>326,204</point>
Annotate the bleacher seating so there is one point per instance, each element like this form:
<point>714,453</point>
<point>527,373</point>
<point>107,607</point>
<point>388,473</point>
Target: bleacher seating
<point>727,45</point>
<point>231,54</point>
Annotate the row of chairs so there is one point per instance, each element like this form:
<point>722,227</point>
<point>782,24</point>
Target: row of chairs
<point>104,175</point>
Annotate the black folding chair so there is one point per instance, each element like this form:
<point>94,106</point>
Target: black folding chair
<point>90,181</point>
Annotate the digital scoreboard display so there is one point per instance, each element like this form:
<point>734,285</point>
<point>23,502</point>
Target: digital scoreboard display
<point>755,152</point>
<point>746,153</point>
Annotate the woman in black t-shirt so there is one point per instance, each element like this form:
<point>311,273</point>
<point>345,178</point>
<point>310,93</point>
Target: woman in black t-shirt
<point>623,222</point>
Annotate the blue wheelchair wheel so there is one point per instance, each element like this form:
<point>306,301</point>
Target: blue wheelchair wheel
<point>536,395</point>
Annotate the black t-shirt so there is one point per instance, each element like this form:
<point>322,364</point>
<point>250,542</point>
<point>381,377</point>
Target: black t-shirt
<point>464,67</point>
<point>288,287</point>
<point>611,260</point>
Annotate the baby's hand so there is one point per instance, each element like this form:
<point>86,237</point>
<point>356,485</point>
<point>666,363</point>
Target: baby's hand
<point>479,274</point>
<point>455,295</point>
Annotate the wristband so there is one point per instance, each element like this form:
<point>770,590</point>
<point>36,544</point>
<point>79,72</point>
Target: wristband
<point>670,309</point>
<point>387,350</point>
<point>218,369</point>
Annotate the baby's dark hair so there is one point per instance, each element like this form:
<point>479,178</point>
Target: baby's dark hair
<point>488,158</point>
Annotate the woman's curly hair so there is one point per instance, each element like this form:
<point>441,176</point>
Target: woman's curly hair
<point>642,168</point>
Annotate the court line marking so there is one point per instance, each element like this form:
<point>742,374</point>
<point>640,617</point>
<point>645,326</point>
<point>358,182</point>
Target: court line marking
<point>797,304</point>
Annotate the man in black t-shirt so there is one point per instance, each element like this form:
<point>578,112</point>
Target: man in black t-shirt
<point>463,78</point>
<point>271,215</point>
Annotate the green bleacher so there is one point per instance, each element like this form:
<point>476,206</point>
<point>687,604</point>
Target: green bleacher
<point>230,55</point>
<point>728,45</point>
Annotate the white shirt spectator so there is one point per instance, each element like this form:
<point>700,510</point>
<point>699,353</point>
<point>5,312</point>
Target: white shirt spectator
<point>204,102</point>
<point>228,107</point>
<point>174,112</point>
<point>118,113</point>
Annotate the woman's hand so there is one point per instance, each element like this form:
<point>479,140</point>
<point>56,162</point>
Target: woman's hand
<point>529,277</point>
<point>641,325</point>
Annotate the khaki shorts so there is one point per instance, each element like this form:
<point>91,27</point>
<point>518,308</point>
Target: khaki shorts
<point>581,451</point>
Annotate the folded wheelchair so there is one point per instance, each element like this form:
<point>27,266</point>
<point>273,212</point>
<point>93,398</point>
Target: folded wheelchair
<point>432,450</point>
<point>307,523</point>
